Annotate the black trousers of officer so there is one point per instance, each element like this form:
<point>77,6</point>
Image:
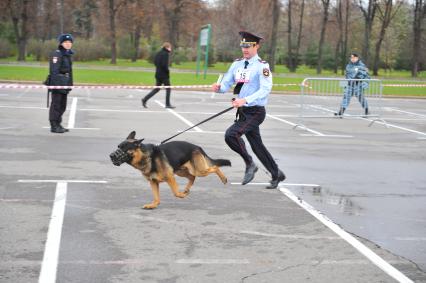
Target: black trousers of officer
<point>57,107</point>
<point>160,81</point>
<point>248,125</point>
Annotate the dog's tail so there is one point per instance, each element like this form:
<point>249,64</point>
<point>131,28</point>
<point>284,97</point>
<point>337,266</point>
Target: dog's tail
<point>221,162</point>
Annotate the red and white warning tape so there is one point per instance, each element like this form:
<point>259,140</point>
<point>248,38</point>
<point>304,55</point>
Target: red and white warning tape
<point>33,86</point>
<point>405,85</point>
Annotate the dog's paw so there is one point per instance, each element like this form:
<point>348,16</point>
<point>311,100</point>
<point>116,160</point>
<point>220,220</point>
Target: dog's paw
<point>150,206</point>
<point>181,194</point>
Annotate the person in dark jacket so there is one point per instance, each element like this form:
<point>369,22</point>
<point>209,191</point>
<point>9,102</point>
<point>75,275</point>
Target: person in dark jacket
<point>162,74</point>
<point>60,72</point>
<point>357,75</point>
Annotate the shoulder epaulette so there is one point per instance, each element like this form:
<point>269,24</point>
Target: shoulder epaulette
<point>262,61</point>
<point>238,59</point>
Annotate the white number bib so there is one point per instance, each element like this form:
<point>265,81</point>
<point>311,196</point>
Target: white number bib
<point>242,76</point>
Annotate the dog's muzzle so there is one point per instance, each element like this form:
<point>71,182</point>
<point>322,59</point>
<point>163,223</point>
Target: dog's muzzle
<point>119,157</point>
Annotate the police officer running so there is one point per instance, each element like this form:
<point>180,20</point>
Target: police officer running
<point>355,70</point>
<point>254,83</point>
<point>60,73</point>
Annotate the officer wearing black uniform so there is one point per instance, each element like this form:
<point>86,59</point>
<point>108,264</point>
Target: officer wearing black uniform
<point>60,74</point>
<point>162,74</point>
<point>253,85</point>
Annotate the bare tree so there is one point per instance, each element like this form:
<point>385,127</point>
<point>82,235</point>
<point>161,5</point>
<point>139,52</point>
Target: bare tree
<point>276,9</point>
<point>326,5</point>
<point>385,17</point>
<point>369,13</point>
<point>345,40</point>
<point>113,8</point>
<point>293,52</point>
<point>339,43</point>
<point>18,11</point>
<point>290,58</point>
<point>419,17</point>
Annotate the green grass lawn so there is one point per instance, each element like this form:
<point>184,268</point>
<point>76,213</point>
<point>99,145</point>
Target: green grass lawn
<point>37,74</point>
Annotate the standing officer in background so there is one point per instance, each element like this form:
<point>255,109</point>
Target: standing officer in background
<point>355,69</point>
<point>254,83</point>
<point>162,74</point>
<point>60,74</point>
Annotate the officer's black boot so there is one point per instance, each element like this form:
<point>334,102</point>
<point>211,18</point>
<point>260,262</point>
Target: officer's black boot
<point>249,175</point>
<point>341,111</point>
<point>144,103</point>
<point>366,112</point>
<point>55,128</point>
<point>60,125</point>
<point>277,180</point>
<point>65,129</point>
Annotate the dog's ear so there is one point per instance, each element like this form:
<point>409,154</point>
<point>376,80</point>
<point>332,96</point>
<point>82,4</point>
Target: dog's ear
<point>139,141</point>
<point>131,135</point>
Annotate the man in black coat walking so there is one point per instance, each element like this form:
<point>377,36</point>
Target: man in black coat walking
<point>162,74</point>
<point>60,74</point>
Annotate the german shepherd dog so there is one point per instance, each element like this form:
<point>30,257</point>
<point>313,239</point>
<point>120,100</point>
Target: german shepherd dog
<point>160,164</point>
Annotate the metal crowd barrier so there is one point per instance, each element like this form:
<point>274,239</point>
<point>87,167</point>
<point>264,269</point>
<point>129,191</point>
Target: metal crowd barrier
<point>322,98</point>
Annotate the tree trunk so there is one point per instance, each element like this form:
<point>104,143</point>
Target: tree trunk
<point>326,4</point>
<point>369,15</point>
<point>345,41</point>
<point>299,34</point>
<point>386,17</point>
<point>275,17</point>
<point>339,17</point>
<point>290,64</point>
<point>419,15</point>
<point>137,40</point>
<point>19,16</point>
<point>112,8</point>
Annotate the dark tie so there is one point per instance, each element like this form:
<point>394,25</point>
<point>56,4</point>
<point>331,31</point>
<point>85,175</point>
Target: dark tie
<point>238,87</point>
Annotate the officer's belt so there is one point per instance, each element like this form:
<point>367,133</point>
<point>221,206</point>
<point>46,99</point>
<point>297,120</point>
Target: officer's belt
<point>241,111</point>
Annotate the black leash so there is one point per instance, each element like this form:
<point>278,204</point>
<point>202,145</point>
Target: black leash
<point>208,119</point>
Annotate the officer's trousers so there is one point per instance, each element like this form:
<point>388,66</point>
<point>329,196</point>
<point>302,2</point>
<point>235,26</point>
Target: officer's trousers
<point>57,107</point>
<point>354,90</point>
<point>248,125</point>
<point>160,81</point>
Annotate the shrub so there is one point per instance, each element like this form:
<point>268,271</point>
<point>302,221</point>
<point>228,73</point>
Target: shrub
<point>91,49</point>
<point>6,49</point>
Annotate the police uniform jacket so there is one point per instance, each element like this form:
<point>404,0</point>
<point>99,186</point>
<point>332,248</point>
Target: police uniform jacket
<point>257,80</point>
<point>60,70</point>
<point>161,62</point>
<point>357,70</point>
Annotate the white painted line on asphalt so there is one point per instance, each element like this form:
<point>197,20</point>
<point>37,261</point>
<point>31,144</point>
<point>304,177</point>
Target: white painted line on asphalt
<point>77,128</point>
<point>283,184</point>
<point>381,123</point>
<point>7,128</point>
<point>22,107</point>
<point>410,238</point>
<point>373,257</point>
<point>71,118</point>
<point>402,111</point>
<point>293,124</point>
<point>179,116</point>
<point>289,236</point>
<point>63,181</point>
<point>327,136</point>
<point>213,261</point>
<point>207,132</point>
<point>51,252</point>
